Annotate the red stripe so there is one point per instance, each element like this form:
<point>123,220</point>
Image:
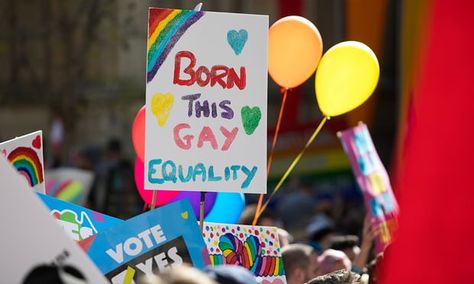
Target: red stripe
<point>155,17</point>
<point>63,186</point>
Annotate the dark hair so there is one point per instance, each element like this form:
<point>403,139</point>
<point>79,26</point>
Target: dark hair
<point>344,242</point>
<point>319,235</point>
<point>337,277</point>
<point>296,256</point>
<point>249,213</point>
<point>114,145</point>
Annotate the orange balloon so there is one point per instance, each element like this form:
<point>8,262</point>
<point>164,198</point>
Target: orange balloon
<point>294,50</point>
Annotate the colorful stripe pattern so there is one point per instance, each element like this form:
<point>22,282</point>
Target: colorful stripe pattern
<point>27,163</point>
<point>165,28</point>
<point>248,255</point>
<point>68,190</point>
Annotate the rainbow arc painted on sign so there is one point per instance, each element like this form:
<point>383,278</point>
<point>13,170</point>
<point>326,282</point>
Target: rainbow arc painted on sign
<point>27,163</point>
<point>165,28</point>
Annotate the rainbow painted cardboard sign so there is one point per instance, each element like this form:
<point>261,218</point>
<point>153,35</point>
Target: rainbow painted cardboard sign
<point>78,222</point>
<point>25,153</point>
<point>373,180</point>
<point>69,184</point>
<point>254,247</point>
<point>206,101</point>
<point>148,243</point>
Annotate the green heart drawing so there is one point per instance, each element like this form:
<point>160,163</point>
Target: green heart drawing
<point>250,118</point>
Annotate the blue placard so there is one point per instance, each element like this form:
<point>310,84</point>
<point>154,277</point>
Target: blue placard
<point>78,222</point>
<point>149,243</point>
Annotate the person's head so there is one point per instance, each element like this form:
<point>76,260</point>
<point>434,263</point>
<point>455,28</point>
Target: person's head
<point>337,277</point>
<point>230,274</point>
<point>319,232</point>
<point>284,237</point>
<point>348,244</point>
<point>114,148</point>
<point>300,262</point>
<point>267,218</point>
<point>183,275</point>
<point>332,260</point>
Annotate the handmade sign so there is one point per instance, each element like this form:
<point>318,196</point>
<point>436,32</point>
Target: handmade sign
<point>69,184</point>
<point>253,247</point>
<point>149,243</point>
<point>373,181</point>
<point>25,153</point>
<point>206,101</point>
<point>78,222</point>
<point>31,238</point>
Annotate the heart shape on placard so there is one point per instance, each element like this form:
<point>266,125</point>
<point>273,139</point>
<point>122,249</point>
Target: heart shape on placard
<point>36,142</point>
<point>4,152</point>
<point>275,281</point>
<point>250,118</point>
<point>248,254</point>
<point>161,105</point>
<point>185,215</point>
<point>237,40</point>
<point>238,253</point>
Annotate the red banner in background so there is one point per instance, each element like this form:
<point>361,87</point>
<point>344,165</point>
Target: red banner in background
<point>290,8</point>
<point>435,190</point>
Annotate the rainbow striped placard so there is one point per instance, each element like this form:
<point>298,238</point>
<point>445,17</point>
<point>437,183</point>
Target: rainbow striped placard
<point>25,153</point>
<point>255,248</point>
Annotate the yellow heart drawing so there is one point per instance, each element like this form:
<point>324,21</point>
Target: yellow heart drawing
<point>161,105</point>
<point>184,215</point>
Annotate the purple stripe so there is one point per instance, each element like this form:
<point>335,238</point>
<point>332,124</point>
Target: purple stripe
<point>173,40</point>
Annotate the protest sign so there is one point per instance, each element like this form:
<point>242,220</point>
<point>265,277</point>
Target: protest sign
<point>255,248</point>
<point>25,153</point>
<point>206,101</point>
<point>373,180</point>
<point>78,222</point>
<point>32,239</point>
<point>149,243</point>
<point>69,184</point>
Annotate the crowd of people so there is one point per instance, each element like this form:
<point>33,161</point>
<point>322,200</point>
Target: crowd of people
<point>322,239</point>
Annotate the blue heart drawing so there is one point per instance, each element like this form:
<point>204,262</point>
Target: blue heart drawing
<point>237,40</point>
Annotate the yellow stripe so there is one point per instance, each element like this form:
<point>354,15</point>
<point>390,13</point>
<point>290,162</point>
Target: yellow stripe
<point>247,248</point>
<point>129,275</point>
<point>160,27</point>
<point>277,267</point>
<point>31,161</point>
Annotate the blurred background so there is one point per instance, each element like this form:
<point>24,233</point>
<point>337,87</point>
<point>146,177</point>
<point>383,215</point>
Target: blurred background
<point>76,70</point>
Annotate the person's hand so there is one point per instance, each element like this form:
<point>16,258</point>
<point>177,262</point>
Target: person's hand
<point>369,232</point>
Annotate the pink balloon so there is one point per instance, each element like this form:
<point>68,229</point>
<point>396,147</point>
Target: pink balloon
<point>138,133</point>
<point>162,196</point>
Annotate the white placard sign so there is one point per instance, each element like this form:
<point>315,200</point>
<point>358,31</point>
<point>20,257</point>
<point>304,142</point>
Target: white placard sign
<point>25,154</point>
<point>206,101</point>
<point>33,246</point>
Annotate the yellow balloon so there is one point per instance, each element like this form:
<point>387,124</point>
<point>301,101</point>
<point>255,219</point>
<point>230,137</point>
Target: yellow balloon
<point>294,50</point>
<point>347,75</point>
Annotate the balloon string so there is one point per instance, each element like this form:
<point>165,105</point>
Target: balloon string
<point>201,211</point>
<point>153,200</point>
<point>270,157</point>
<point>292,166</point>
